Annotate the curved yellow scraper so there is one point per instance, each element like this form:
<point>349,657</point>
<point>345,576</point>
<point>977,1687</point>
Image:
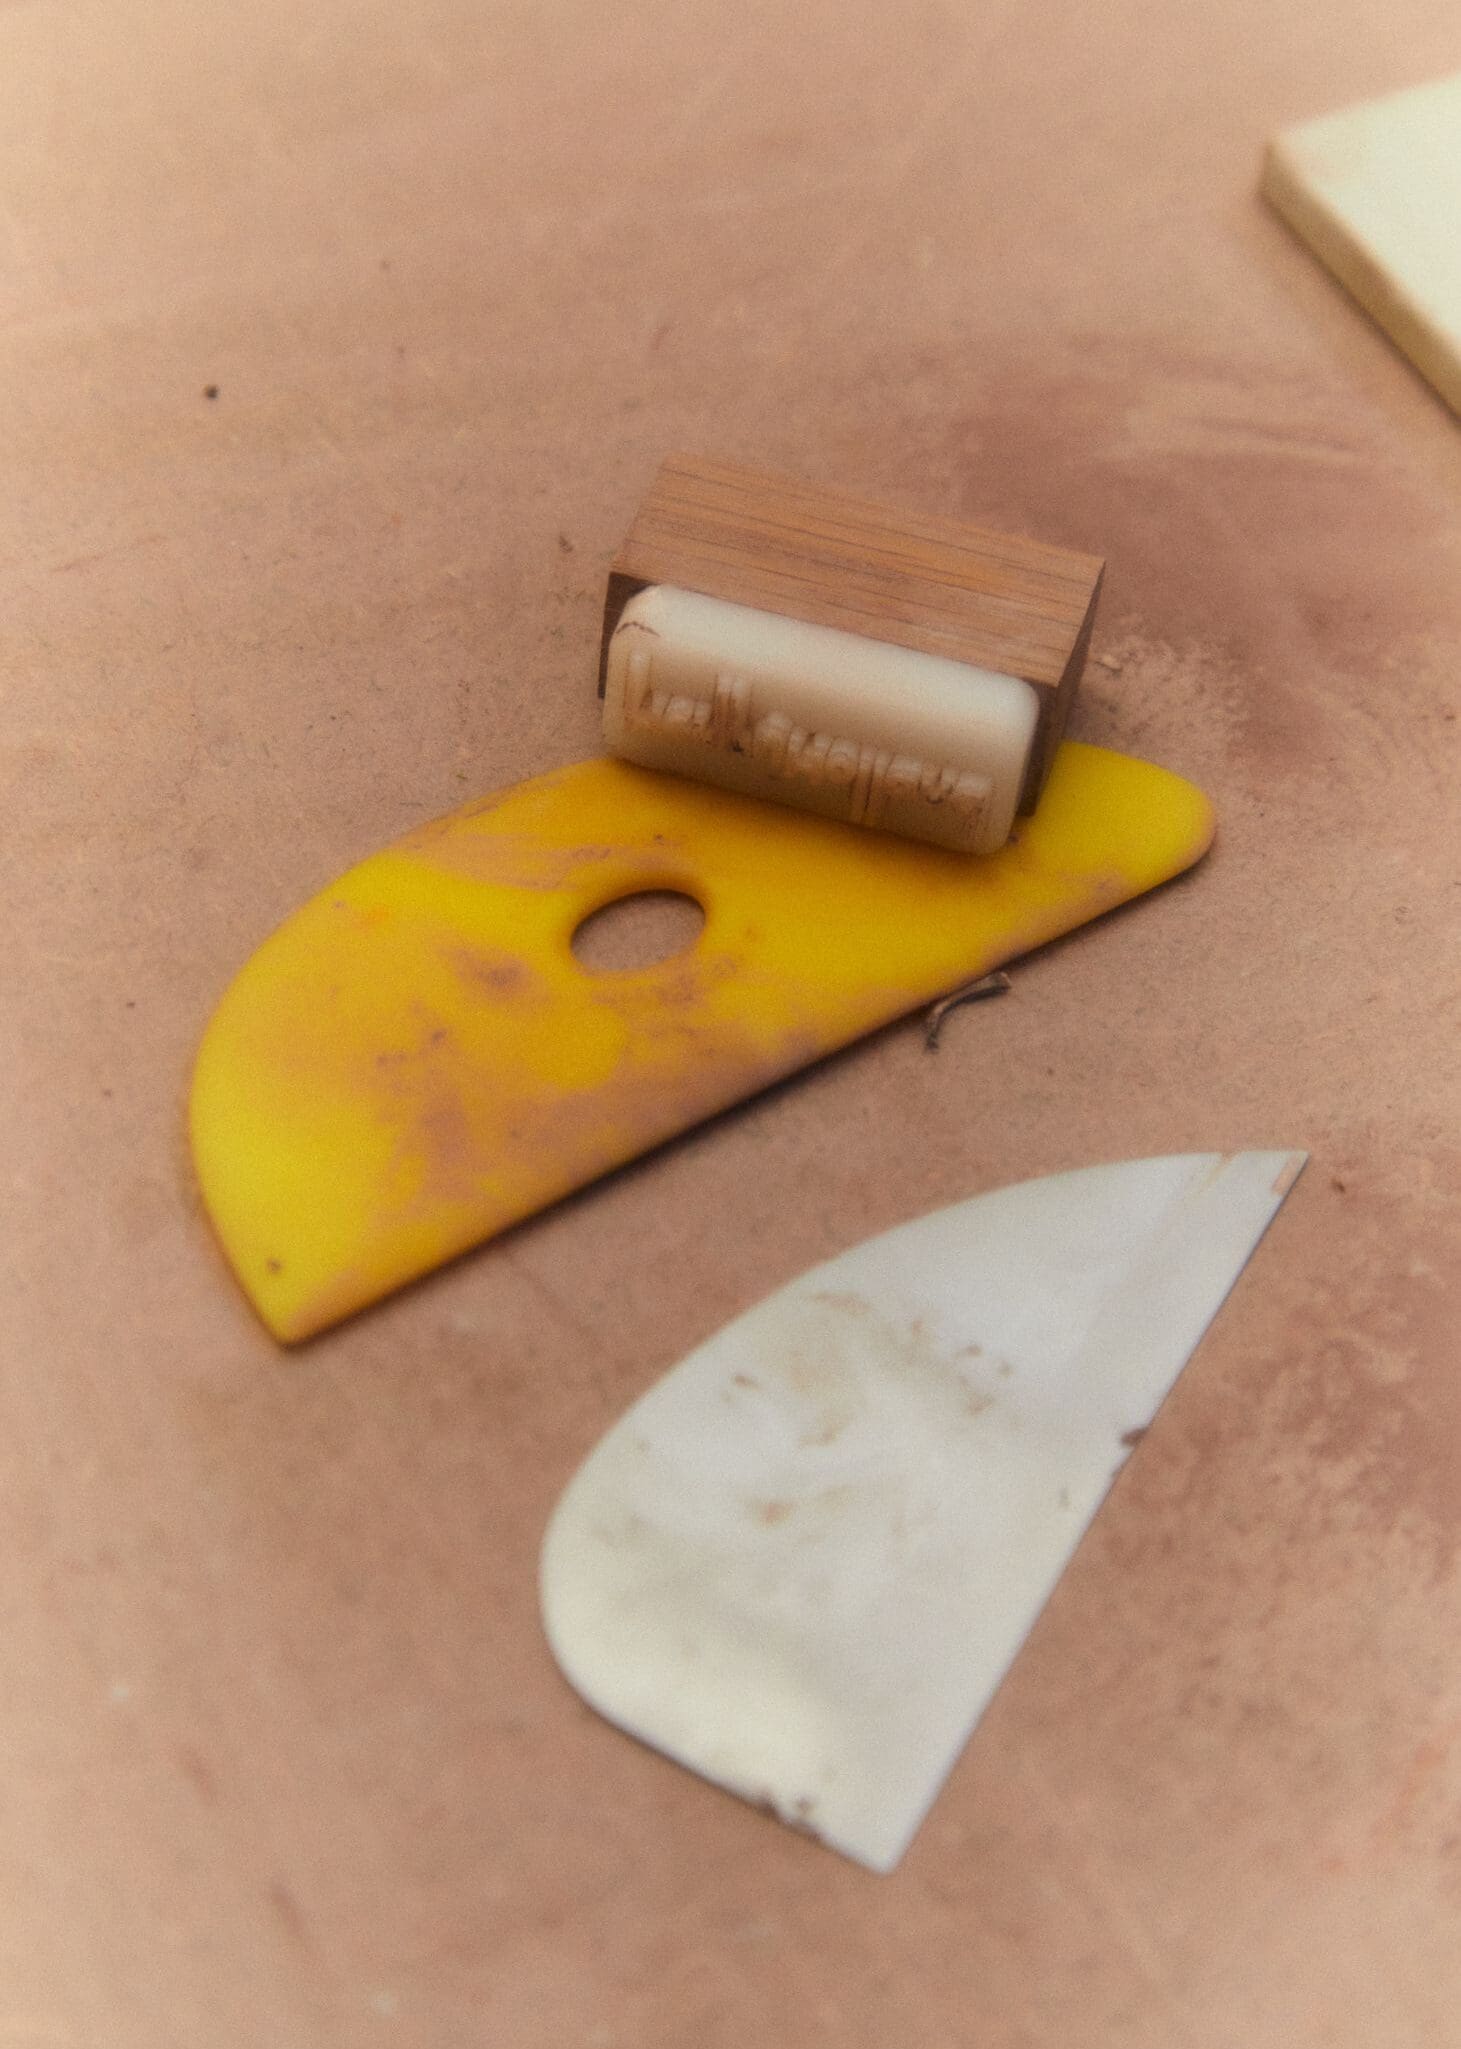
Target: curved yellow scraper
<point>416,1059</point>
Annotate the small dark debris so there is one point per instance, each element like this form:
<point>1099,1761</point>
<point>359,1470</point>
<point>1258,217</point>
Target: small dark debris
<point>800,1815</point>
<point>972,992</point>
<point>565,546</point>
<point>1132,1438</point>
<point>1340,1187</point>
<point>274,1266</point>
<point>210,391</point>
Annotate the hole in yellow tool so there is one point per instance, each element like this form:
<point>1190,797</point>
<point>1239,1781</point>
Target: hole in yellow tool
<point>637,931</point>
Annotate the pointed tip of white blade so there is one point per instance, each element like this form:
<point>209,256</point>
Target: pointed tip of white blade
<point>1291,1165</point>
<point>775,1568</point>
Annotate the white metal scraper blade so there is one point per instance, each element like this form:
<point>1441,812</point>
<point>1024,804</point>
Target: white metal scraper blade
<point>804,1560</point>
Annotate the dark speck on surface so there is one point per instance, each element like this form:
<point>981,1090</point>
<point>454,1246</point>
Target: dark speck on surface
<point>210,391</point>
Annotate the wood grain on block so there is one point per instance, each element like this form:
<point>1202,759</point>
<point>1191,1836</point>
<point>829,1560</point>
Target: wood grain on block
<point>940,586</point>
<point>1375,191</point>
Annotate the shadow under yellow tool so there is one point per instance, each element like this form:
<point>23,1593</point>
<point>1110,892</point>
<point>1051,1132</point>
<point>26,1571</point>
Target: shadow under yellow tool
<point>416,1059</point>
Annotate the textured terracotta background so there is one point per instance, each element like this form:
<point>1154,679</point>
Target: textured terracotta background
<point>283,1759</point>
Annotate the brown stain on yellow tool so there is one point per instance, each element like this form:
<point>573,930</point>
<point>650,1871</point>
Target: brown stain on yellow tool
<point>416,1060</point>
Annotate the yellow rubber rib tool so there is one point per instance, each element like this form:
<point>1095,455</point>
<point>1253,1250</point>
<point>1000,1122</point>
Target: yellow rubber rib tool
<point>416,1059</point>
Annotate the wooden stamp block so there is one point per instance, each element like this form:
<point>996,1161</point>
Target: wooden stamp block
<point>939,586</point>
